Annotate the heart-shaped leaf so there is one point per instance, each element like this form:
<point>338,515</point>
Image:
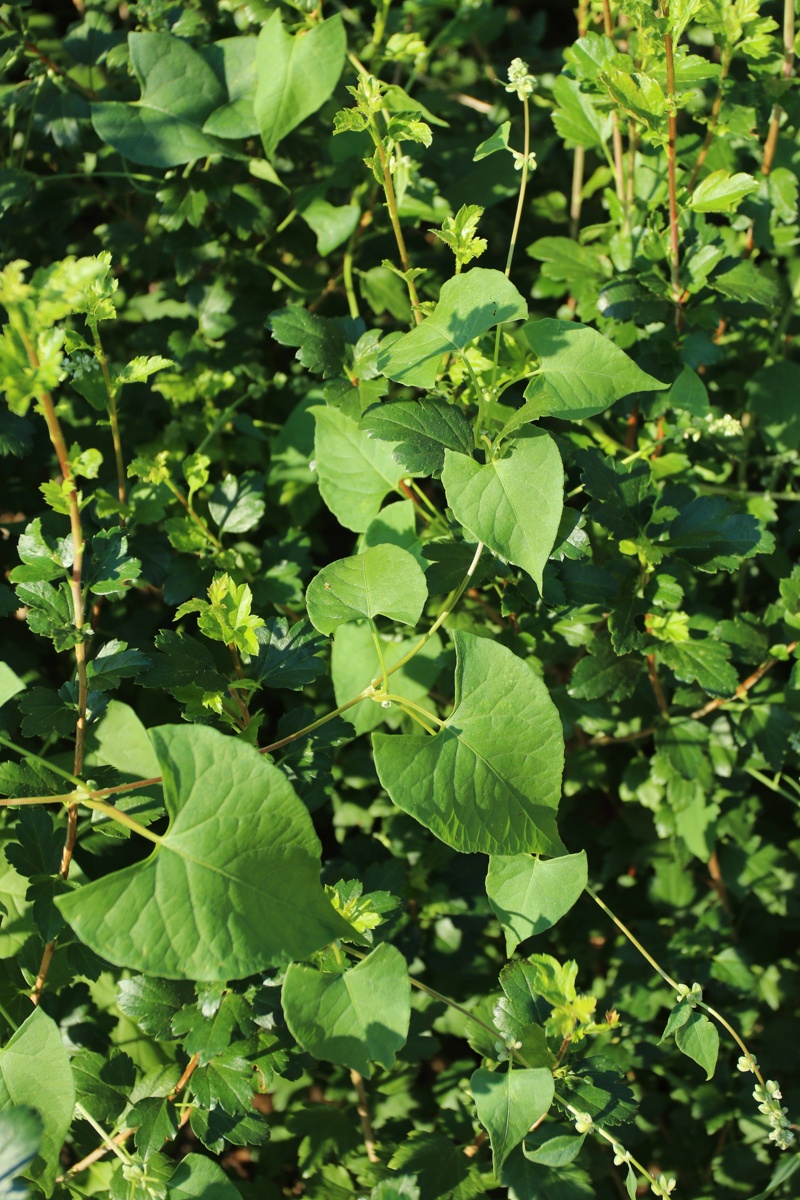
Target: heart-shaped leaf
<point>296,74</point>
<point>240,844</point>
<point>384,580</point>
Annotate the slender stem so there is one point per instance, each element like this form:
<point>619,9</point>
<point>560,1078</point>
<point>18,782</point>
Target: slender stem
<point>407,704</point>
<point>121,818</point>
<point>616,133</point>
<point>598,1129</point>
<point>523,185</point>
<point>363,1112</point>
<point>391,204</point>
<point>219,422</point>
<point>42,763</point>
<point>368,691</point>
<point>108,1142</point>
<point>122,491</point>
<point>198,520</point>
<point>576,190</point>
<point>379,650</point>
<point>744,687</point>
<point>716,108</point>
<point>633,940</point>
<point>727,1025</point>
<point>772,785</point>
<point>347,275</point>
<point>672,137</point>
<point>771,143</point>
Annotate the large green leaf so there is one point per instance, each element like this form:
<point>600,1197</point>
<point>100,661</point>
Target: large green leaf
<point>234,60</point>
<point>232,886</point>
<point>179,92</point>
<point>469,304</point>
<point>355,471</point>
<point>580,372</point>
<point>296,74</point>
<point>384,580</point>
<point>508,1103</point>
<point>529,895</point>
<point>35,1073</point>
<point>423,430</point>
<point>511,504</point>
<point>355,1018</point>
<point>489,782</point>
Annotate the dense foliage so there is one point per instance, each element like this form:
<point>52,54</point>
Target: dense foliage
<point>399,685</point>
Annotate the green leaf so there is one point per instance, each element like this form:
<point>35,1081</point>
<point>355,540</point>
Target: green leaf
<point>288,655</point>
<point>228,1080</point>
<point>42,557</point>
<point>239,842</point>
<point>698,1039</point>
<point>498,141</point>
<point>710,534</point>
<point>602,674</point>
<point>331,223</point>
<point>746,284</point>
<point>512,504</point>
<point>722,191</point>
<point>103,1085</point>
<point>179,92</point>
<point>422,432</point>
<point>529,895</point>
<point>578,122</point>
<point>21,1132</point>
<point>237,505</point>
<point>113,663</point>
<point>470,784</point>
<point>441,1168</point>
<point>110,570</point>
<point>156,1122</point>
<point>679,1015</point>
<point>35,1073</point>
<point>355,471</point>
<point>559,1151</point>
<point>469,304</point>
<point>508,1103</point>
<point>320,340</point>
<point>771,393</point>
<point>355,1018</point>
<point>384,580</point>
<point>152,1003</point>
<point>296,75</point>
<point>580,372</point>
<point>234,60</point>
<point>182,660</point>
<point>701,660</point>
<point>622,496</point>
<point>10,684</point>
<point>199,1178</point>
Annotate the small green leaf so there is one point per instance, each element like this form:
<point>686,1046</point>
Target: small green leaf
<point>237,505</point>
<point>384,580</point>
<point>722,191</point>
<point>679,1015</point>
<point>422,432</point>
<point>469,304</point>
<point>552,1151</point>
<point>355,1018</point>
<point>698,1038</point>
<point>508,1103</point>
<point>529,895</point>
<point>512,504</point>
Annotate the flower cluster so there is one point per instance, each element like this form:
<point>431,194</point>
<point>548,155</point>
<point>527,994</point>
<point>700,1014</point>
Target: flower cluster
<point>768,1098</point>
<point>520,81</point>
<point>78,365</point>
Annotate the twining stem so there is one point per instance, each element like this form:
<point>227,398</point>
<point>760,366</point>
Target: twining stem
<point>771,143</point>
<point>654,1185</point>
<point>379,650</point>
<point>122,492</point>
<point>347,276</point>
<point>672,137</point>
<point>672,983</point>
<point>363,1112</point>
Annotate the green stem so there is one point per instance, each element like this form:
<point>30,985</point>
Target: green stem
<point>405,703</point>
<point>523,184</point>
<point>633,940</point>
<point>770,783</point>
<point>220,421</point>
<point>101,1133</point>
<point>379,649</point>
<point>391,204</point>
<point>42,761</point>
<point>198,520</point>
<point>121,818</point>
<point>368,691</point>
<point>347,276</point>
<point>122,492</point>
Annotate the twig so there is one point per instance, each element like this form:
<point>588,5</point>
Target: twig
<point>616,133</point>
<point>626,737</point>
<point>672,139</point>
<point>771,143</point>
<point>363,1112</point>
<point>744,687</point>
<point>655,683</point>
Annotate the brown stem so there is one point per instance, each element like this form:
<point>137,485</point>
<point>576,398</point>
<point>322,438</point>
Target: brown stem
<point>188,1072</point>
<point>771,143</point>
<point>363,1112</point>
<point>475,1146</point>
<point>627,737</point>
<point>716,108</point>
<point>718,883</point>
<point>655,683</point>
<point>744,687</point>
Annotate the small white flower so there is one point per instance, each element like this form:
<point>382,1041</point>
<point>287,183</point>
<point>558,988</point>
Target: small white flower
<point>520,81</point>
<point>583,1122</point>
<point>519,160</point>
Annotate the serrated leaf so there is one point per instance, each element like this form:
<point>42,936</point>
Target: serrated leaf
<point>152,1003</point>
<point>383,580</point>
<point>441,1168</point>
<point>470,785</point>
<point>102,1085</point>
<point>228,1080</point>
<point>288,655</point>
<point>711,535</point>
<point>722,191</point>
<point>469,304</point>
<point>702,660</point>
<point>356,1018</point>
<point>155,1120</point>
<point>508,1103</point>
<point>183,660</point>
<point>320,340</point>
<point>512,504</point>
<point>421,431</point>
<point>239,841</point>
<point>529,895</point>
<point>580,372</point>
<point>698,1039</point>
